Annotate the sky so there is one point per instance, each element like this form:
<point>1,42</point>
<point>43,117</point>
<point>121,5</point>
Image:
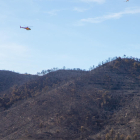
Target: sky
<point>70,33</point>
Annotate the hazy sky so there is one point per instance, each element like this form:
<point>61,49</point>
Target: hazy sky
<point>70,33</point>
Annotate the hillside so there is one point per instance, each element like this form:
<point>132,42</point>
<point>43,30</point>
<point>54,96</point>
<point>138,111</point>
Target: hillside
<point>74,105</point>
<point>9,79</point>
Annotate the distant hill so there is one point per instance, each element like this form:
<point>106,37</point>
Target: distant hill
<point>8,79</point>
<point>73,104</point>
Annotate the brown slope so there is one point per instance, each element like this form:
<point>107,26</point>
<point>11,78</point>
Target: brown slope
<point>34,87</point>
<point>8,79</point>
<point>82,107</point>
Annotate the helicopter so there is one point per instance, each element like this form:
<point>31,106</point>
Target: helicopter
<point>27,28</point>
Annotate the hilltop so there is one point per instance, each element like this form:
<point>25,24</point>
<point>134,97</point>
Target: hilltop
<point>9,79</point>
<point>72,104</point>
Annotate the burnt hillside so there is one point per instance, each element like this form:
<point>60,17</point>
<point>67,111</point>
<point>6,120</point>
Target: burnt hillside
<point>23,89</point>
<point>8,79</point>
<point>75,105</point>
